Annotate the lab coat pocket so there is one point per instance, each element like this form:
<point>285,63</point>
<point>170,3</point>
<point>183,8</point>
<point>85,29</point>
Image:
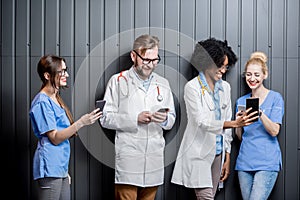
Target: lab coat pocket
<point>208,100</point>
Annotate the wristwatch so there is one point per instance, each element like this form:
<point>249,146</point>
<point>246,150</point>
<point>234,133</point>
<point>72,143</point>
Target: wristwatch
<point>260,113</point>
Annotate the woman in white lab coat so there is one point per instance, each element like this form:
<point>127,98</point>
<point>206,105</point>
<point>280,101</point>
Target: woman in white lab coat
<point>133,99</point>
<point>204,154</point>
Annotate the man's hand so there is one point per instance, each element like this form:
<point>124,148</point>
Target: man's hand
<point>144,117</point>
<point>159,117</point>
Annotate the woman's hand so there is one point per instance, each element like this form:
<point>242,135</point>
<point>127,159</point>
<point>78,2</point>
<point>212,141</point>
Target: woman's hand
<point>245,119</point>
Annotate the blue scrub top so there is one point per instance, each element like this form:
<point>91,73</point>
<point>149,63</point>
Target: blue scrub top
<point>259,150</point>
<point>49,160</point>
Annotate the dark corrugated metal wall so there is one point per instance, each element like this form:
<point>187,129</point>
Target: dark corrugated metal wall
<point>73,28</point>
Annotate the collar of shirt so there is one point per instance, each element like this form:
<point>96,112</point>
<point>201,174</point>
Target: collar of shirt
<point>144,83</point>
<point>218,85</point>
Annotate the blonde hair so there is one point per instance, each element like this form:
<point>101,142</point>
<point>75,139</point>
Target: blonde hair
<point>259,58</point>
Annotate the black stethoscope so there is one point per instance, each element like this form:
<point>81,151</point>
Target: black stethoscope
<point>124,90</point>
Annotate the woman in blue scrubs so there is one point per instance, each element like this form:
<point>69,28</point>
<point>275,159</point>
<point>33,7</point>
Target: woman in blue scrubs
<point>259,159</point>
<point>53,125</point>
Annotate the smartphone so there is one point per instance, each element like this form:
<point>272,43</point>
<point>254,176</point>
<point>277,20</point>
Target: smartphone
<point>100,104</point>
<point>241,108</point>
<point>163,110</point>
<point>254,104</point>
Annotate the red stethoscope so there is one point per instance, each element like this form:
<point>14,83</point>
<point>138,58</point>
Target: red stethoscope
<point>124,89</point>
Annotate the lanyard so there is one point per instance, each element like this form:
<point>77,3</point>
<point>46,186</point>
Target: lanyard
<point>203,87</point>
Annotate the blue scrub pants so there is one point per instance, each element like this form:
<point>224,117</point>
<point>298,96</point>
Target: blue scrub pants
<point>54,188</point>
<point>257,184</point>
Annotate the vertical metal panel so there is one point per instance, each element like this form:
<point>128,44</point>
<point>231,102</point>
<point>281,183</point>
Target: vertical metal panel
<point>171,40</point>
<point>66,28</point>
<point>247,30</point>
<point>277,77</point>
<point>171,22</point>
<point>232,37</point>
<point>51,27</point>
<point>156,19</point>
<point>37,28</point>
<point>292,104</point>
<point>187,22</point>
<point>141,17</point>
<point>81,97</point>
<point>112,65</point>
<point>233,76</point>
<point>22,137</point>
<point>111,29</point>
<point>126,25</point>
<point>262,29</point>
<point>96,65</point>
<point>218,19</point>
<point>8,102</point>
<point>203,18</point>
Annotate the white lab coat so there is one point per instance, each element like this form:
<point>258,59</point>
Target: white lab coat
<point>198,147</point>
<point>139,149</point>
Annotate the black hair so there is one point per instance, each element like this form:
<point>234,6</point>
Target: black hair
<point>212,52</point>
<point>232,58</point>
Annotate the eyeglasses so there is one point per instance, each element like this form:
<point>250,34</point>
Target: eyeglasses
<point>226,67</point>
<point>147,61</point>
<point>62,72</point>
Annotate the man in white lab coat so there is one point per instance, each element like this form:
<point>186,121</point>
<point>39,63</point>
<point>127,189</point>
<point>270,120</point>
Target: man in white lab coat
<point>139,105</point>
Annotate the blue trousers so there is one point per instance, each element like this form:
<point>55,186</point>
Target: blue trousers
<point>257,185</point>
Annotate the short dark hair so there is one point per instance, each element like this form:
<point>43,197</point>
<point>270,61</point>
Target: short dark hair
<point>212,52</point>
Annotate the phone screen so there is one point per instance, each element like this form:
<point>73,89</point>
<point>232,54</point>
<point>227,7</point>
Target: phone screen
<point>254,104</point>
<point>100,104</point>
<point>163,110</point>
<point>241,108</point>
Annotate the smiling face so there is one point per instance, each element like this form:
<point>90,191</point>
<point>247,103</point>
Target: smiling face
<point>255,76</point>
<point>62,75</point>
<point>145,70</point>
<point>214,74</point>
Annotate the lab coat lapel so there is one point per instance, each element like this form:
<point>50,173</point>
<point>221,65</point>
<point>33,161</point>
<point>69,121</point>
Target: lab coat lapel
<point>207,98</point>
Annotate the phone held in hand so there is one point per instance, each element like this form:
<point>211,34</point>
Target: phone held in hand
<point>241,108</point>
<point>163,110</point>
<point>254,104</point>
<point>100,104</point>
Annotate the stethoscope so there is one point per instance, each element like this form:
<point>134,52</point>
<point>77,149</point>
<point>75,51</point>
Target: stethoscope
<point>203,87</point>
<point>124,90</point>
<point>159,96</point>
<point>210,103</point>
